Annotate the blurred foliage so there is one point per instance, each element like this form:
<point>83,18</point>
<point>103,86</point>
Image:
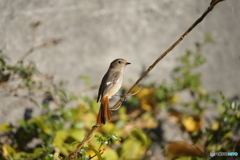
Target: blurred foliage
<point>66,117</point>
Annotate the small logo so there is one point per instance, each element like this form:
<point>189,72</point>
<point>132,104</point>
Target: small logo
<point>212,154</point>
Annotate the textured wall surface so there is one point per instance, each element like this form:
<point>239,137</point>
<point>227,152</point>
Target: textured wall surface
<point>96,32</point>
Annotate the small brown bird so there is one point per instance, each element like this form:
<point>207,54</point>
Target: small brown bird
<point>111,83</point>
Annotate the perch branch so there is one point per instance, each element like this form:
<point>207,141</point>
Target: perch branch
<point>209,9</point>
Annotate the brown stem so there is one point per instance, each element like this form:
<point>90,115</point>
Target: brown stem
<point>209,9</point>
<point>72,156</point>
<point>234,147</point>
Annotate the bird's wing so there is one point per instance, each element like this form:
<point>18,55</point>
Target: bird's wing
<point>109,80</point>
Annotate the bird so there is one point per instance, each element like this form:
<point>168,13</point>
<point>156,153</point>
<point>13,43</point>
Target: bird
<point>110,84</point>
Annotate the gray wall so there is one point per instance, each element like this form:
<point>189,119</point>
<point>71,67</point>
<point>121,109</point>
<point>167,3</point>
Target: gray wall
<point>96,32</point>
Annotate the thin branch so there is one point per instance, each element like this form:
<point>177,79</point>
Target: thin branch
<point>72,156</point>
<point>116,108</point>
<point>209,9</point>
<point>34,27</point>
<point>234,147</point>
<point>51,42</point>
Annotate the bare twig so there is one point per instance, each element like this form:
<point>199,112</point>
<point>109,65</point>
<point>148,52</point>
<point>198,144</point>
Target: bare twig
<point>117,107</point>
<point>132,94</point>
<point>234,147</point>
<point>51,42</point>
<point>209,9</point>
<point>34,27</point>
<point>72,156</point>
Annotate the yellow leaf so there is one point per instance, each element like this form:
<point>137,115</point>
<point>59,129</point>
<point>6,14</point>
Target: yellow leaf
<point>5,127</point>
<point>122,114</point>
<point>94,151</point>
<point>175,99</point>
<point>227,135</point>
<point>143,92</point>
<point>215,126</point>
<point>77,134</point>
<point>110,154</point>
<point>89,152</point>
<point>146,121</point>
<point>108,127</point>
<point>238,115</point>
<point>59,142</point>
<point>8,151</point>
<point>60,137</point>
<point>192,123</point>
<point>88,118</point>
<point>56,156</point>
<point>145,106</point>
<point>132,149</point>
<point>147,98</point>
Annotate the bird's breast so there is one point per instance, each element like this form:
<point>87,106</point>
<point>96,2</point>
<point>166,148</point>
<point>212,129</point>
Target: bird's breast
<point>115,87</point>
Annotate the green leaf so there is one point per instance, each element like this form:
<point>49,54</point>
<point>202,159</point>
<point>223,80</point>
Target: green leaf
<point>56,156</point>
<point>3,58</point>
<point>73,97</point>
<point>227,135</point>
<point>78,124</point>
<point>132,149</point>
<point>199,60</point>
<point>141,136</point>
<point>68,113</point>
<point>178,69</point>
<point>98,138</point>
<point>8,151</point>
<point>23,123</point>
<point>185,59</point>
<point>5,127</point>
<point>114,137</point>
<point>60,137</point>
<point>36,153</point>
<point>59,141</point>
<point>208,38</point>
<point>95,151</point>
<point>39,121</point>
<point>160,94</point>
<point>85,79</point>
<point>62,94</point>
<point>77,134</point>
<point>110,154</point>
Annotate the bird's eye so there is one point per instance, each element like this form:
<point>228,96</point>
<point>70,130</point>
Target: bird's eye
<point>119,62</point>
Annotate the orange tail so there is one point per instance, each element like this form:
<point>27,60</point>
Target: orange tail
<point>104,113</point>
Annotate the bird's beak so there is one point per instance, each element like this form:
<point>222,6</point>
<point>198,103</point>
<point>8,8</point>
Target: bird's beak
<point>128,63</point>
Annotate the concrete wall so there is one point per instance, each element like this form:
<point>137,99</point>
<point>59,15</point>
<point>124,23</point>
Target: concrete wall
<point>96,32</point>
